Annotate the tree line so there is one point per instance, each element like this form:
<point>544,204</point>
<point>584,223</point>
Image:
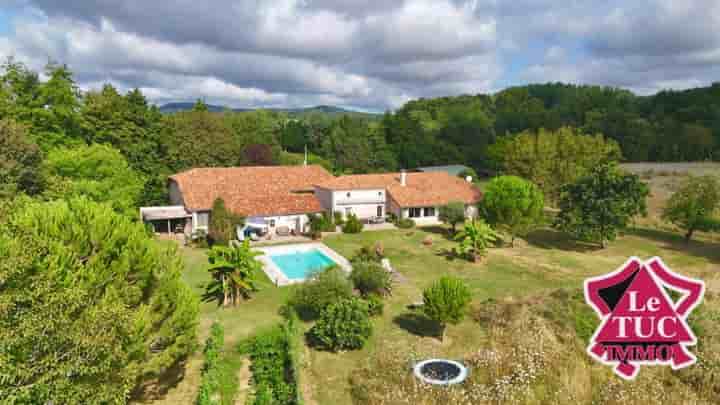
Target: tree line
<point>40,119</point>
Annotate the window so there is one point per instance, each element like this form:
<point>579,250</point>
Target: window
<point>430,211</point>
<point>348,194</point>
<point>379,210</point>
<point>203,218</point>
<point>272,223</point>
<point>379,193</point>
<point>415,212</point>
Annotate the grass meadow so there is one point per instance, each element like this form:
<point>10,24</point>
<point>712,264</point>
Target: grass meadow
<point>524,337</point>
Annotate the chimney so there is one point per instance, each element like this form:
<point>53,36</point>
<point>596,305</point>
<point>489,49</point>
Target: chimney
<point>468,179</point>
<point>403,178</point>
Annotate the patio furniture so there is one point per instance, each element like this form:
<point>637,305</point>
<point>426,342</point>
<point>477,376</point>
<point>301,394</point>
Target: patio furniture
<point>376,220</point>
<point>283,231</point>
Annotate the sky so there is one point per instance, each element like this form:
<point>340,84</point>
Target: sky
<point>363,54</point>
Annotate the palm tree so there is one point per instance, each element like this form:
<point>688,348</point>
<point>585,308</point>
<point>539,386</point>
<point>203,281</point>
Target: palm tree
<point>475,238</point>
<point>233,270</point>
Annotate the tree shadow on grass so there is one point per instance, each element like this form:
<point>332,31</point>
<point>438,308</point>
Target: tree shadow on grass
<point>449,254</point>
<point>417,324</point>
<point>552,239</point>
<point>158,387</point>
<point>675,242</point>
<point>439,230</point>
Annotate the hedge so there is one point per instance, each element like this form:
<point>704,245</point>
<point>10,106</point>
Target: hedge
<point>209,384</point>
<point>275,355</point>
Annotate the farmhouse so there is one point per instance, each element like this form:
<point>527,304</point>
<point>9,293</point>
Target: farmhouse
<point>278,199</point>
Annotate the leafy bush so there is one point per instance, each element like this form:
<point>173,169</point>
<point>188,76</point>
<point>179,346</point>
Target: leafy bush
<point>310,298</point>
<point>405,223</point>
<point>199,239</point>
<point>452,214</point>
<point>342,326</point>
<point>375,305</point>
<point>321,223</point>
<point>370,278</point>
<point>352,224</point>
<point>210,375</point>
<point>369,254</point>
<point>446,301</point>
<point>475,238</point>
<point>338,218</point>
<point>274,372</point>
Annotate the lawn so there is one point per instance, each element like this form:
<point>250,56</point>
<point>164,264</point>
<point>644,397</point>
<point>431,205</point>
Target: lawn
<point>545,261</point>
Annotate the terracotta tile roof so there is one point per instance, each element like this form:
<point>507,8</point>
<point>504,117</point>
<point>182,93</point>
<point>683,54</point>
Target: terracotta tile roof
<point>421,189</point>
<point>253,190</point>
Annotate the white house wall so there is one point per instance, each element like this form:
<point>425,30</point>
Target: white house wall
<point>363,203</point>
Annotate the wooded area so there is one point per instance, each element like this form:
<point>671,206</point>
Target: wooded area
<point>44,120</point>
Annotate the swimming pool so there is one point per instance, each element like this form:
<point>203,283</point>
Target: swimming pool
<point>300,265</point>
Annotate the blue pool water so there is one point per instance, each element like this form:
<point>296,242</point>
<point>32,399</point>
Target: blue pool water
<point>300,265</point>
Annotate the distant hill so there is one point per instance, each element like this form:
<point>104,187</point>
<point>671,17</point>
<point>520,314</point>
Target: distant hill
<point>170,108</point>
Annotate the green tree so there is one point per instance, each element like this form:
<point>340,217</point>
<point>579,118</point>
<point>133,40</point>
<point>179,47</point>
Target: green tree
<point>344,325</point>
<point>223,223</point>
<point>694,207</point>
<point>551,159</point>
<point>55,116</point>
<point>91,306</point>
<point>453,213</point>
<point>199,139</point>
<point>446,302</point>
<point>20,161</point>
<point>98,172</point>
<point>596,206</point>
<point>512,204</point>
<point>129,124</point>
<point>233,270</point>
<point>475,238</point>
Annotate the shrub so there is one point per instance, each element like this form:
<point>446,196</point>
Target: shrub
<point>321,290</point>
<point>405,223</point>
<point>344,325</point>
<point>199,239</point>
<point>209,383</point>
<point>321,223</point>
<point>446,301</point>
<point>272,373</point>
<point>223,223</point>
<point>375,305</point>
<point>475,238</point>
<point>352,224</point>
<point>452,214</point>
<point>338,218</point>
<point>369,254</point>
<point>370,277</point>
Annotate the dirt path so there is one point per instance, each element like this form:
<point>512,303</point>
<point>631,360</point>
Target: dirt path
<point>244,386</point>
